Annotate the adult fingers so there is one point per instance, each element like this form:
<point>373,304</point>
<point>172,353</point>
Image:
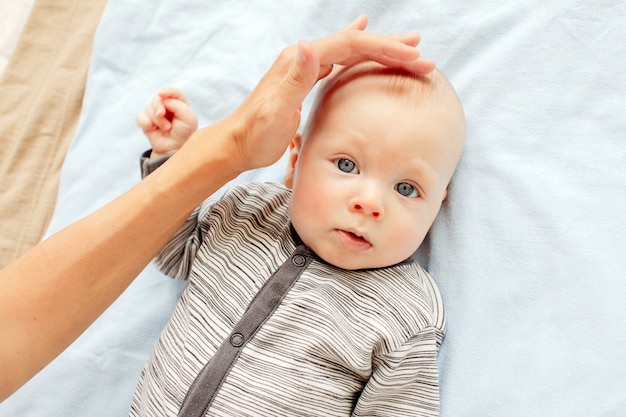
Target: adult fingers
<point>315,60</point>
<point>301,75</point>
<point>349,47</point>
<point>360,23</point>
<point>345,46</point>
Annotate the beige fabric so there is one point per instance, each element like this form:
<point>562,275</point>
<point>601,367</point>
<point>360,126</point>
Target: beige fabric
<point>41,89</point>
<point>13,15</point>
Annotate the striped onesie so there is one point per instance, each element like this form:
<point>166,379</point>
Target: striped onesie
<point>266,328</point>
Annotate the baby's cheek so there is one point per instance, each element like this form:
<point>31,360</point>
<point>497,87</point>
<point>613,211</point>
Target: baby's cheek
<point>304,210</point>
<point>406,240</point>
<point>302,204</point>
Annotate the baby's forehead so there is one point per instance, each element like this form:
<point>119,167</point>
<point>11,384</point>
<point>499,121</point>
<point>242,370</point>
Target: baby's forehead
<point>397,83</point>
<point>410,91</point>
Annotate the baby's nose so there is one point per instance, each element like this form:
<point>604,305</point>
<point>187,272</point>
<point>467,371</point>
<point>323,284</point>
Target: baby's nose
<point>372,212</point>
<point>369,204</point>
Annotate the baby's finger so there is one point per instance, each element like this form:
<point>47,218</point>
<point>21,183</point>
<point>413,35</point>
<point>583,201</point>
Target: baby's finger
<point>172,92</point>
<point>157,112</point>
<point>144,122</point>
<point>180,110</point>
<point>150,114</point>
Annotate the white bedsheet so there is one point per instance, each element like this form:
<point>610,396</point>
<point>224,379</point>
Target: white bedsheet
<point>529,250</point>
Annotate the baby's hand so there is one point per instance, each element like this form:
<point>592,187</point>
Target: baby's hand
<point>168,121</point>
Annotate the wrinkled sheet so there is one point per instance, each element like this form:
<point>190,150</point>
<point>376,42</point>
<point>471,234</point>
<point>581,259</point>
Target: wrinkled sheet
<point>528,249</point>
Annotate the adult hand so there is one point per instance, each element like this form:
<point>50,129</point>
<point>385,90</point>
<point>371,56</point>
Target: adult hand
<point>264,124</point>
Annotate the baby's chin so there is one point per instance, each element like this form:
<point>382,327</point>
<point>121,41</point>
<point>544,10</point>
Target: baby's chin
<point>356,262</point>
<point>352,258</point>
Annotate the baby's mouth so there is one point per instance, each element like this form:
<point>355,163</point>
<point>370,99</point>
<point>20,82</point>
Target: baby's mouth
<point>356,237</point>
<point>353,240</point>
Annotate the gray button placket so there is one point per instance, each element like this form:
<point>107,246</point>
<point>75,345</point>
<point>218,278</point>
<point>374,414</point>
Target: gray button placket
<point>210,379</point>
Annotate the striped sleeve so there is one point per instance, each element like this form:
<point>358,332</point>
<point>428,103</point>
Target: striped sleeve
<point>177,256</point>
<point>405,382</point>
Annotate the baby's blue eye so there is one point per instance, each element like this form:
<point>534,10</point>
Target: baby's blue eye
<point>407,190</point>
<point>347,165</point>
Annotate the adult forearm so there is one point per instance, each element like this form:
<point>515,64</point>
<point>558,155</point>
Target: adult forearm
<point>50,295</point>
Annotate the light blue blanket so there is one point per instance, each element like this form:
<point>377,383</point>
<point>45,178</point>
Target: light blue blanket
<point>529,250</point>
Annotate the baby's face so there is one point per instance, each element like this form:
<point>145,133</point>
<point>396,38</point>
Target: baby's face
<point>370,177</point>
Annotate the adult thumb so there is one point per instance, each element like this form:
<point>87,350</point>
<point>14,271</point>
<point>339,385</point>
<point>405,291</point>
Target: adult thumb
<point>302,74</point>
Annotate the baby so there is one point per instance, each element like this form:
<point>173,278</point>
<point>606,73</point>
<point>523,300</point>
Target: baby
<point>303,297</point>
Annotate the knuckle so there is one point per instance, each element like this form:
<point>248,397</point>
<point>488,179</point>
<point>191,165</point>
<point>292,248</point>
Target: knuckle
<point>287,53</point>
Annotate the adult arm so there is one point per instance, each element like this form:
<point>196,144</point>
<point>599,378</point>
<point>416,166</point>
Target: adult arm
<point>51,294</point>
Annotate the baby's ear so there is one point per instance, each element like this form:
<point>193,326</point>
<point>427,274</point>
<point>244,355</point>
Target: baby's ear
<point>294,150</point>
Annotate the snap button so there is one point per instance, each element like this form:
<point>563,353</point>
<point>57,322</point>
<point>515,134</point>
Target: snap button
<point>237,340</point>
<point>298,260</point>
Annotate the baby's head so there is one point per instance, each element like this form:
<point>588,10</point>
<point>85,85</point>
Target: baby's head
<point>371,168</point>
